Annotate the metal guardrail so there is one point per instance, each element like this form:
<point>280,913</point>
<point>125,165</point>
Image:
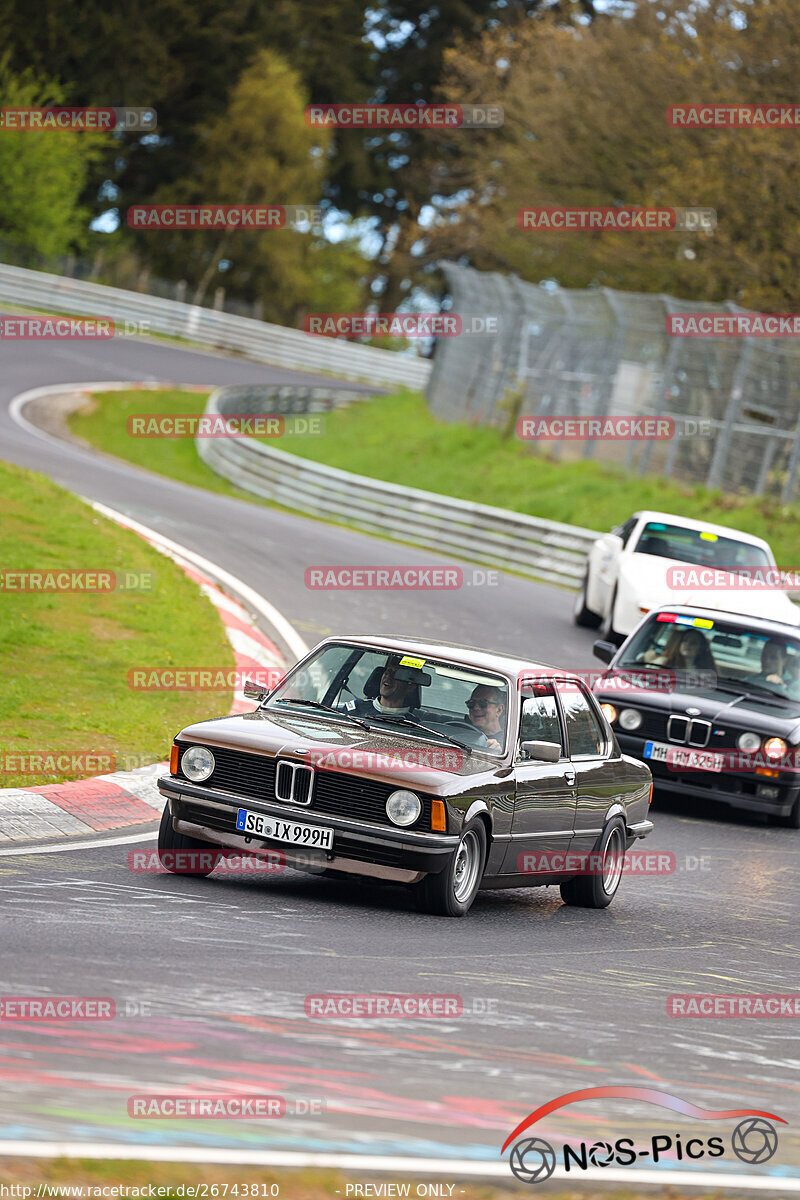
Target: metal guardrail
<point>479,533</point>
<point>259,340</point>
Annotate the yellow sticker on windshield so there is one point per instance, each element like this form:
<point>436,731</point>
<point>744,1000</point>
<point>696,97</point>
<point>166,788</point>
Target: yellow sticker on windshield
<point>709,537</point>
<point>703,623</point>
<point>405,661</point>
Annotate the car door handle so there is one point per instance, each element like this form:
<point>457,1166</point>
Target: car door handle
<point>569,776</point>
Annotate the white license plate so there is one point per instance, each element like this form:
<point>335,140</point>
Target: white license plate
<point>295,832</point>
<point>684,756</point>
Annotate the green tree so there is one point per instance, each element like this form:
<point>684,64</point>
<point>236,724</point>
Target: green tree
<point>586,125</point>
<point>42,173</point>
<point>262,152</point>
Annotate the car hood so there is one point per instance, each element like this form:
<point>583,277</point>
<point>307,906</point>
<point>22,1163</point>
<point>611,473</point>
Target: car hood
<point>435,766</point>
<point>647,575</point>
<point>759,713</point>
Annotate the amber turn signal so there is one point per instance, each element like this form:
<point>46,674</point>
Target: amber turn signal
<point>173,759</point>
<point>438,817</point>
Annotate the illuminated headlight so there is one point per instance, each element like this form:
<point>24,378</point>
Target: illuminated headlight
<point>749,742</point>
<point>630,718</point>
<point>403,808</point>
<point>197,763</point>
<point>775,748</point>
<point>609,712</point>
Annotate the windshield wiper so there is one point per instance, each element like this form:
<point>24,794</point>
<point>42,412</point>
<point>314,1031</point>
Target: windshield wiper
<point>425,729</point>
<point>337,712</point>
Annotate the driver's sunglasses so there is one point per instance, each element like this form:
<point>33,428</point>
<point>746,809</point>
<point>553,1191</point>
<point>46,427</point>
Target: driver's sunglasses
<point>479,703</point>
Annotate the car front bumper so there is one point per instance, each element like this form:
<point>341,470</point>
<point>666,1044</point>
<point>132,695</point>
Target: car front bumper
<point>739,789</point>
<point>359,848</point>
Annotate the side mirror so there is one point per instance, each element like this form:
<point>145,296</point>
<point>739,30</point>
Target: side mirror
<point>605,651</point>
<point>543,751</point>
<point>255,691</point>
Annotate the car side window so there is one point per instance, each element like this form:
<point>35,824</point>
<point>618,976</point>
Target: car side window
<point>539,720</point>
<point>585,734</point>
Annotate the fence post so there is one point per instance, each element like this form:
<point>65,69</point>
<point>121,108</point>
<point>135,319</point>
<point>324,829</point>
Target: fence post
<point>722,447</point>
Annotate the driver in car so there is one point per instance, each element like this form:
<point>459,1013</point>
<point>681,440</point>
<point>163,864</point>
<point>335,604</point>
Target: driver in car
<point>487,712</point>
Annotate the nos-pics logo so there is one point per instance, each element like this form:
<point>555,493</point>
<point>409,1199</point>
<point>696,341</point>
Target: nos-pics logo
<point>532,1159</point>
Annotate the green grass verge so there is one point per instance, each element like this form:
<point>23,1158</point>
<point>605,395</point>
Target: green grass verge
<point>65,656</point>
<point>394,438</point>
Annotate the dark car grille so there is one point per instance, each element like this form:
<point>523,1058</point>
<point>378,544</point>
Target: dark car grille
<point>337,794</point>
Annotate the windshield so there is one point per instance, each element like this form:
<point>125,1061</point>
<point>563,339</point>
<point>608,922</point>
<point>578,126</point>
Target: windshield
<point>380,687</point>
<point>697,546</point>
<point>713,652</point>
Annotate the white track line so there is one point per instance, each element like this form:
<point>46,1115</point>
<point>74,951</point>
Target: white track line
<point>61,847</point>
<point>283,627</point>
<point>396,1164</point>
<point>277,620</point>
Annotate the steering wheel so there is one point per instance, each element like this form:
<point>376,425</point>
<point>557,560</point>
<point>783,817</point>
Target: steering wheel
<point>475,737</point>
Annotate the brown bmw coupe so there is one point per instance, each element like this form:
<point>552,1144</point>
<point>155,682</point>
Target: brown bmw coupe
<point>442,767</point>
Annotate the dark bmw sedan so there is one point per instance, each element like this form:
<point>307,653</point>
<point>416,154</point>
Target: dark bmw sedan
<point>441,767</point>
<point>711,702</point>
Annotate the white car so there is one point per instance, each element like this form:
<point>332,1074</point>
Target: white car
<point>635,568</point>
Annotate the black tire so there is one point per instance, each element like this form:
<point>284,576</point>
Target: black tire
<point>598,890</point>
<point>792,819</point>
<point>581,615</point>
<point>449,893</point>
<point>171,843</point>
<point>608,632</point>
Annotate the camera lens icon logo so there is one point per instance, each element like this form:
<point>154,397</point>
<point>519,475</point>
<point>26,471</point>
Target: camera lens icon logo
<point>533,1160</point>
<point>754,1140</point>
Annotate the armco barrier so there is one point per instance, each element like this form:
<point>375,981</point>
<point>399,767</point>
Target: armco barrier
<point>257,339</point>
<point>476,532</point>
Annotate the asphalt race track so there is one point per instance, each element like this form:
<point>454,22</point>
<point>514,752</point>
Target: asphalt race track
<point>214,972</point>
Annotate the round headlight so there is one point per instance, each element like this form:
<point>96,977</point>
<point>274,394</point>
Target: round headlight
<point>630,718</point>
<point>403,808</point>
<point>609,712</point>
<point>749,742</point>
<point>197,763</point>
<point>775,748</point>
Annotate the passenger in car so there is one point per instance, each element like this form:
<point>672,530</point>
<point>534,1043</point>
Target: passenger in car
<point>487,712</point>
<point>774,657</point>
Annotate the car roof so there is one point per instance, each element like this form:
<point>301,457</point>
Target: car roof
<point>702,526</point>
<point>466,656</point>
<point>756,624</point>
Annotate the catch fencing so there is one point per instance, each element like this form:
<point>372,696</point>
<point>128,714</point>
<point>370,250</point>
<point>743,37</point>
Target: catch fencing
<point>598,353</point>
